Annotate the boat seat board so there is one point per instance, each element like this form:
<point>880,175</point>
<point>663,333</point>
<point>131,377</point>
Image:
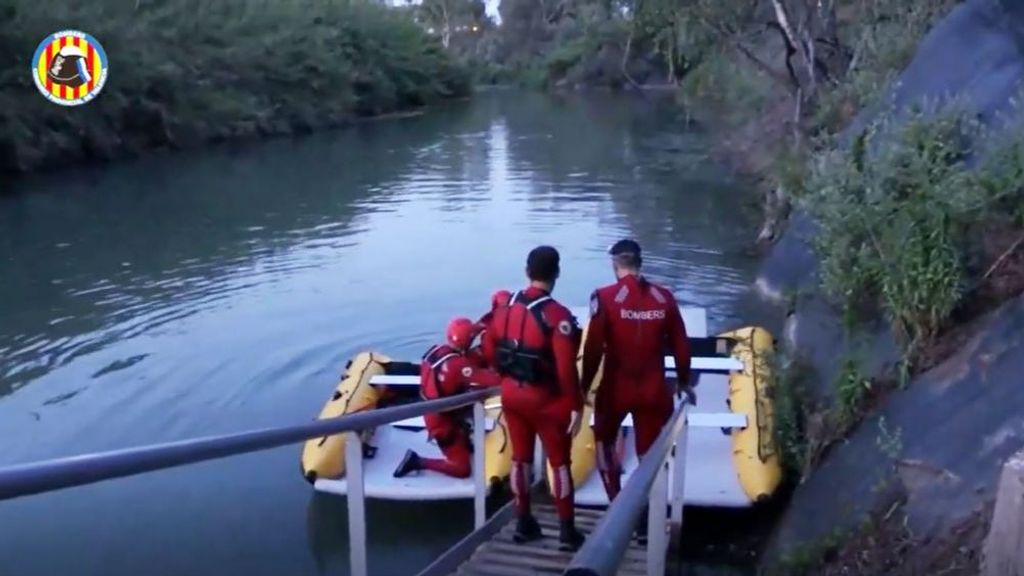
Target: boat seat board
<point>418,423</point>
<point>707,364</point>
<point>719,420</point>
<point>698,364</point>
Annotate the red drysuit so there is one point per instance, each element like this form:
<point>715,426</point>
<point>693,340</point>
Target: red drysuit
<point>445,372</point>
<point>532,343</point>
<point>630,322</point>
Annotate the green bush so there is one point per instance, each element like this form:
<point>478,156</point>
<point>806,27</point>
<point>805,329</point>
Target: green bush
<point>789,401</point>
<point>198,69</point>
<point>737,90</point>
<point>901,212</point>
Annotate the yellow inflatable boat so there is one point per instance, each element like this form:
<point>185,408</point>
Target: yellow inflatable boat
<point>731,457</point>
<point>372,380</point>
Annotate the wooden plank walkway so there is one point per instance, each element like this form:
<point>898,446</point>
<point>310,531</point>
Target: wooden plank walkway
<point>501,556</point>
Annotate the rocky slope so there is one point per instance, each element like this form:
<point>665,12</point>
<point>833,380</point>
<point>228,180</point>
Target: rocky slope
<point>938,443</point>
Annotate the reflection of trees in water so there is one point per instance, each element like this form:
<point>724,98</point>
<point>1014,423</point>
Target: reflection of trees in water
<point>133,246</point>
<point>459,170</point>
<point>85,251</point>
<point>663,182</point>
<point>656,171</point>
<point>560,136</point>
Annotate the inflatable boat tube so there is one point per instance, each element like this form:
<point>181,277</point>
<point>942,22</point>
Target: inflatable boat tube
<point>755,456</point>
<point>325,457</point>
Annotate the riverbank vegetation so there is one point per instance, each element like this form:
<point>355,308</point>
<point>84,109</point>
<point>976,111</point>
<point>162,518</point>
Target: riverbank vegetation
<point>919,219</point>
<point>189,71</point>
<point>910,229</point>
<point>918,216</point>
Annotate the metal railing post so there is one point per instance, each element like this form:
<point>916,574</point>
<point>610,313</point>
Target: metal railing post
<point>356,503</point>
<point>603,550</point>
<point>678,486</point>
<point>538,461</point>
<point>657,539</point>
<point>479,468</point>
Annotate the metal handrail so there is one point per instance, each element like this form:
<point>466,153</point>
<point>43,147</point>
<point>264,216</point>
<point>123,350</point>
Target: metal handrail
<point>606,545</point>
<point>50,475</point>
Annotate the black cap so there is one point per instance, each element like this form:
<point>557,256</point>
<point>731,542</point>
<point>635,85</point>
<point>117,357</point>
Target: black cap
<point>626,246</point>
<point>542,263</point>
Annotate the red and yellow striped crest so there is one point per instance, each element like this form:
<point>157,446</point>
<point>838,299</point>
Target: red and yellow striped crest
<point>70,68</point>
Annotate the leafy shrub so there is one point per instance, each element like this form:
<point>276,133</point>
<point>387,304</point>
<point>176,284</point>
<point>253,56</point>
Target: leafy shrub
<point>737,89</point>
<point>204,69</point>
<point>899,218</point>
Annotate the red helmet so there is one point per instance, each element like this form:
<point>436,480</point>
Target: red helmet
<point>461,332</point>
<point>500,298</point>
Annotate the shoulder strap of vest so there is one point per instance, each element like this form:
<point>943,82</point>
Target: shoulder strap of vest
<point>437,363</point>
<point>442,351</point>
<point>535,306</point>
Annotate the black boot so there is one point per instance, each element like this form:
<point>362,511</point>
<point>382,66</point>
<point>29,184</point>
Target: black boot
<point>527,530</point>
<point>569,538</point>
<point>410,463</point>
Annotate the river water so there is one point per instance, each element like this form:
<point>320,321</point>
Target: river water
<point>222,290</point>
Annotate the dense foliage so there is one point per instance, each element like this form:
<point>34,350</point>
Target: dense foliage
<point>903,227</point>
<point>191,70</point>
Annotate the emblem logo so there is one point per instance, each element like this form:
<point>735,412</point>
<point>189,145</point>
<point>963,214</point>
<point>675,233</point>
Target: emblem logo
<point>69,68</point>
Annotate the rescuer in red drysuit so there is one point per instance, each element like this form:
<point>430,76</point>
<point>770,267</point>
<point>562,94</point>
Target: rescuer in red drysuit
<point>532,343</point>
<point>631,322</point>
<point>499,298</point>
<point>446,370</point>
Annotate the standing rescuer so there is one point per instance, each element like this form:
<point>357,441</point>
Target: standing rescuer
<point>631,322</point>
<point>532,343</point>
<point>449,369</point>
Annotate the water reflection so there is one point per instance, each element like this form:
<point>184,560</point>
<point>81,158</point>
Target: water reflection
<point>224,289</point>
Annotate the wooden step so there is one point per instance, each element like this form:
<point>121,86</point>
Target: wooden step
<point>502,556</point>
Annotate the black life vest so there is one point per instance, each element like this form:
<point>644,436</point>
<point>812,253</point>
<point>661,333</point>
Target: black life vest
<point>523,343</point>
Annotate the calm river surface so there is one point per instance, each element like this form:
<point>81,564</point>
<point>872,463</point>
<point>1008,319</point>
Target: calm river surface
<point>223,290</point>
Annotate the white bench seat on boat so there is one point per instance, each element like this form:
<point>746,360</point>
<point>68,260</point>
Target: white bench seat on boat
<point>698,364</point>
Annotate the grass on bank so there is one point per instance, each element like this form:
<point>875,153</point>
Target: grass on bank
<point>923,222</point>
<point>184,71</point>
<point>903,228</point>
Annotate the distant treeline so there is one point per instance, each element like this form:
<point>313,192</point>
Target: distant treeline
<point>183,72</point>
